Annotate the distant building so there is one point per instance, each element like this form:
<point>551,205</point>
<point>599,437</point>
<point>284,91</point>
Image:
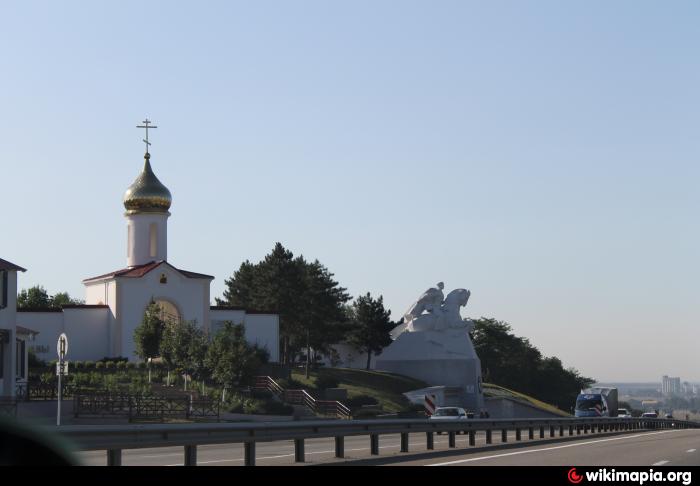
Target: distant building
<point>671,385</point>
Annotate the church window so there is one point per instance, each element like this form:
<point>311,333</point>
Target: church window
<point>163,278</point>
<point>168,311</point>
<point>154,240</point>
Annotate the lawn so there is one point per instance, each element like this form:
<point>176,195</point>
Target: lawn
<point>387,388</point>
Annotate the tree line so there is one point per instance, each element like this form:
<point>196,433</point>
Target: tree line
<point>312,306</point>
<point>184,347</point>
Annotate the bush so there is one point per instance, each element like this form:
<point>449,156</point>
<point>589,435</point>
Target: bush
<point>109,365</point>
<point>361,400</point>
<point>130,366</point>
<point>142,365</point>
<point>121,365</point>
<point>100,365</point>
<point>326,381</point>
<point>77,365</point>
<point>89,365</point>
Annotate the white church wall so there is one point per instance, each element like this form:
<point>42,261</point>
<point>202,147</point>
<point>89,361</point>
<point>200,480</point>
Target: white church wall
<point>88,333</point>
<point>134,294</point>
<point>49,325</point>
<point>261,329</point>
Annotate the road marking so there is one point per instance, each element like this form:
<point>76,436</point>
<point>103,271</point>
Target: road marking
<point>578,444</point>
<point>691,450</point>
<point>660,463</point>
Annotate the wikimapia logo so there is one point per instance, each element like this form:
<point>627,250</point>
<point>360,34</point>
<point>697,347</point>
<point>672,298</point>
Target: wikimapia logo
<point>638,477</point>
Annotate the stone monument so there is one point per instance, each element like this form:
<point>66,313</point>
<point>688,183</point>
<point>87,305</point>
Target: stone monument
<point>433,345</point>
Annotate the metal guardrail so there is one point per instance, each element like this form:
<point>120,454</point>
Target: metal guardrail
<point>114,439</point>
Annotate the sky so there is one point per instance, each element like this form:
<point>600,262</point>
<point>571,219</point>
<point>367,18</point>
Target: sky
<point>542,154</point>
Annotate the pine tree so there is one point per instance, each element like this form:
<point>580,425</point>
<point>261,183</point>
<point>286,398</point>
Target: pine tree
<point>372,326</point>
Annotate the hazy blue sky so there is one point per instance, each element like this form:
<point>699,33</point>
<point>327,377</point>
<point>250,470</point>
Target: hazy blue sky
<point>542,154</point>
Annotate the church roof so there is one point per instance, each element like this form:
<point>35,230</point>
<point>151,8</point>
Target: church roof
<point>5,265</point>
<point>139,271</point>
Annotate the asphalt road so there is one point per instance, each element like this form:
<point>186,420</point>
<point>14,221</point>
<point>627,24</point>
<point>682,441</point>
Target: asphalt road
<point>664,447</point>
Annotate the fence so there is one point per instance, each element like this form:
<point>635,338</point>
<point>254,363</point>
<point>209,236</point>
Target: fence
<point>139,407</point>
<point>302,397</point>
<point>28,391</point>
<point>114,439</point>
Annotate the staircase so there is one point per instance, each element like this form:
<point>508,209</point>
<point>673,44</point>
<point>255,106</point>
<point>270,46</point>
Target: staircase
<point>302,397</point>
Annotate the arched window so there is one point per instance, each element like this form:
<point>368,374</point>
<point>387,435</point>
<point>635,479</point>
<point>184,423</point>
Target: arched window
<point>168,311</point>
<point>153,234</point>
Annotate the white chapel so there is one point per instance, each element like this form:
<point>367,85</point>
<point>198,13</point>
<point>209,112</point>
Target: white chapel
<point>115,302</point>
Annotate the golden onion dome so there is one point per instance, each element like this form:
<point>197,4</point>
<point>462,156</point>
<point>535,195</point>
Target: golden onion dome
<point>147,194</point>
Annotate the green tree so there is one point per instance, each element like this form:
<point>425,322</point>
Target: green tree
<point>34,298</point>
<point>63,298</point>
<point>307,299</point>
<point>148,335</point>
<point>232,361</point>
<point>513,362</point>
<point>183,348</point>
<point>38,298</point>
<point>323,318</point>
<point>370,332</point>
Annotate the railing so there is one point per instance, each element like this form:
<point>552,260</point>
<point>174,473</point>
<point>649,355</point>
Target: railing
<point>114,439</point>
<point>30,391</point>
<point>302,397</point>
<point>137,407</point>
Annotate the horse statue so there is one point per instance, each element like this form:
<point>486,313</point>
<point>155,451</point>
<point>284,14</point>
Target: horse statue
<point>437,316</point>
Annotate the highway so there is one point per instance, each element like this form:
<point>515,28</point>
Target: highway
<point>648,448</point>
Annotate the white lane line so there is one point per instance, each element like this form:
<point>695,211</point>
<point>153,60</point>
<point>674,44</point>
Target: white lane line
<point>578,444</point>
<point>691,450</point>
<point>660,463</point>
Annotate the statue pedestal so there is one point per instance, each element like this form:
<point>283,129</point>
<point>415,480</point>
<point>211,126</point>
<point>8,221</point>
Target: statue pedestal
<point>440,358</point>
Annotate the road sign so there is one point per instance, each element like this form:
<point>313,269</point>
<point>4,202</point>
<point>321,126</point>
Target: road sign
<point>62,368</point>
<point>62,346</point>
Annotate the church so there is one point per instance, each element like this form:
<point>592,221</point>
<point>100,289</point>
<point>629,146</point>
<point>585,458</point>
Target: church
<point>115,302</point>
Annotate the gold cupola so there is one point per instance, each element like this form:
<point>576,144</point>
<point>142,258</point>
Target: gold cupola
<point>147,194</point>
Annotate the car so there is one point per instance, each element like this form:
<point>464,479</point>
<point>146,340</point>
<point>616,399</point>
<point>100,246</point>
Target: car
<point>623,413</point>
<point>449,413</point>
<point>669,415</point>
<point>445,414</point>
<point>650,415</point>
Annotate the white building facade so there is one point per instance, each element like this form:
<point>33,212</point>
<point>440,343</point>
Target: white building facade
<point>14,355</point>
<point>115,302</point>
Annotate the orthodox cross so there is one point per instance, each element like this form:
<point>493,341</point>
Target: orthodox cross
<point>145,125</point>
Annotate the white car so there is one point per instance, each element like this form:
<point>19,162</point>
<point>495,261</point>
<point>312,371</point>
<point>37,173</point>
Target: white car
<point>448,414</point>
<point>623,413</point>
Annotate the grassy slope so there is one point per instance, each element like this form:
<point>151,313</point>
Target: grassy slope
<point>491,390</point>
<point>387,388</point>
